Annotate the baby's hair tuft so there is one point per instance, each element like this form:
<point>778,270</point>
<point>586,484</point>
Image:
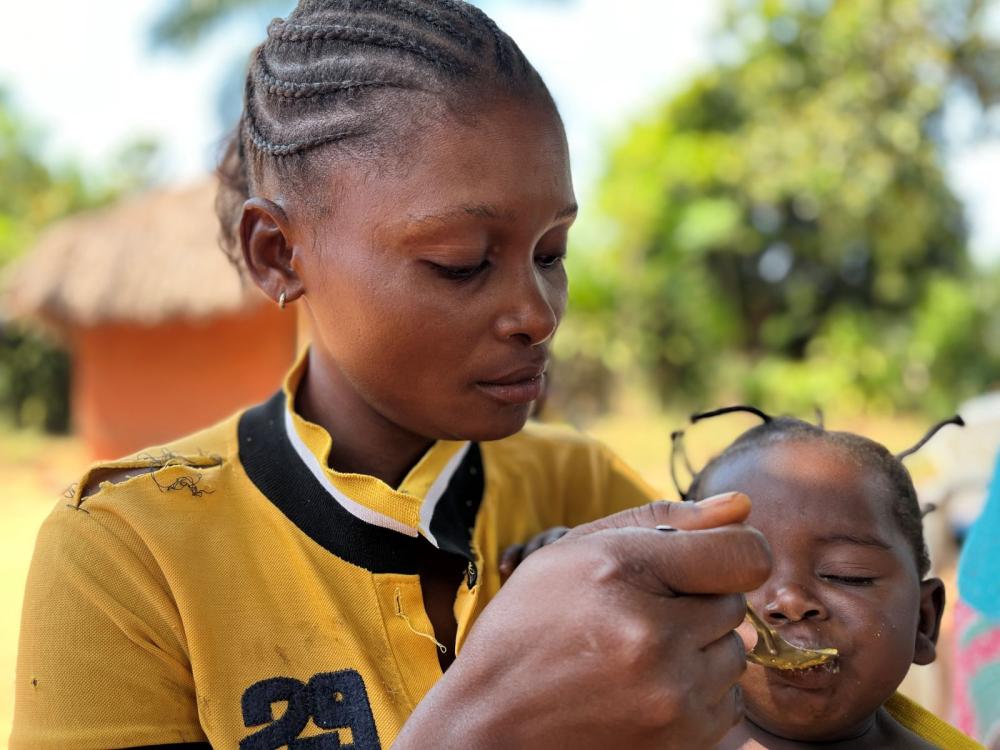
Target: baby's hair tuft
<point>774,430</point>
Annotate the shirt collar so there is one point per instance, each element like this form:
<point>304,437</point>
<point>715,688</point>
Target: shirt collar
<point>407,509</point>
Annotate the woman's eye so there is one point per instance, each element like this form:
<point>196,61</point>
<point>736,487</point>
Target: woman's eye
<point>850,580</point>
<point>460,273</point>
<point>550,261</point>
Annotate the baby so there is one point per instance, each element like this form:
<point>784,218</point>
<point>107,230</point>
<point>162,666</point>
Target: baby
<point>850,564</point>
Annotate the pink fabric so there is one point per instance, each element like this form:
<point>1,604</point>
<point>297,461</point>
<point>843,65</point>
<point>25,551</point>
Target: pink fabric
<point>974,652</point>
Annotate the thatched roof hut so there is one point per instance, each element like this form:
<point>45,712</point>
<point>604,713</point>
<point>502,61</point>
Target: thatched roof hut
<point>150,258</point>
<point>163,335</point>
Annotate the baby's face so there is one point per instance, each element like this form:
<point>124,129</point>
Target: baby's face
<point>844,576</point>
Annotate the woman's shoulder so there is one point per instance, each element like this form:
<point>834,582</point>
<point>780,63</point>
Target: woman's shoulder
<point>562,462</point>
<point>190,466</point>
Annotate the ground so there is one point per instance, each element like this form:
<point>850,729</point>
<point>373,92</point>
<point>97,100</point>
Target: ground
<point>35,470</point>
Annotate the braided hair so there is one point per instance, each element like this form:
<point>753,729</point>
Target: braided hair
<point>868,453</point>
<point>356,74</point>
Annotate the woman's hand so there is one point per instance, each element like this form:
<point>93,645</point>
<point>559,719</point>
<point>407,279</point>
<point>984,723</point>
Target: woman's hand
<point>617,636</point>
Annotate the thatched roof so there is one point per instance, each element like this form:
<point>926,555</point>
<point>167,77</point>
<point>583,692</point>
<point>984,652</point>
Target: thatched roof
<point>148,259</point>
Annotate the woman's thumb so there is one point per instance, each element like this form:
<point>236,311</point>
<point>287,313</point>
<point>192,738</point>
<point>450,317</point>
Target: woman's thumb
<point>719,510</point>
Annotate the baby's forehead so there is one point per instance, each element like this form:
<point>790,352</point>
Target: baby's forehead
<point>815,478</point>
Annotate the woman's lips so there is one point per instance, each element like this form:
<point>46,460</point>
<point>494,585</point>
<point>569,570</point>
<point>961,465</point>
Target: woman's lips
<point>516,391</point>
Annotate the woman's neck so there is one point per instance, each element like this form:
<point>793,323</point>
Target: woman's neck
<point>364,442</point>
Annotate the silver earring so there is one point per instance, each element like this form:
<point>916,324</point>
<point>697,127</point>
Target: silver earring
<point>281,300</point>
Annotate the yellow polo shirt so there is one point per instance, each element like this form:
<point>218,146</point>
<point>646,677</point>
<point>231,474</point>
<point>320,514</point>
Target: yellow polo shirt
<point>240,592</point>
<point>924,724</point>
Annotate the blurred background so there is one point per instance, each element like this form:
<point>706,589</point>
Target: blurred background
<point>791,203</point>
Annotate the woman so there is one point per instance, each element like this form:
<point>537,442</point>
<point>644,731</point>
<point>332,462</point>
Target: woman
<point>308,573</point>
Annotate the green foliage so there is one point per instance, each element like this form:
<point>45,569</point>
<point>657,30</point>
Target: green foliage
<point>31,195</point>
<point>35,194</point>
<point>186,23</point>
<point>34,373</point>
<point>34,382</point>
<point>782,230</point>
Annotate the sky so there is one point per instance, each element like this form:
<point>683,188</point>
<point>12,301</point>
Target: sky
<point>87,75</point>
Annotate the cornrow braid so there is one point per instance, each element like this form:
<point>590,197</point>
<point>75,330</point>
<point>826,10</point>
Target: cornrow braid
<point>774,430</point>
<point>271,84</point>
<point>419,11</point>
<point>499,48</point>
<point>282,31</point>
<point>361,72</point>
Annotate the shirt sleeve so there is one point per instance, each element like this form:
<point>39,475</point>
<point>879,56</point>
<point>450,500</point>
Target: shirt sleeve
<point>602,484</point>
<point>102,661</point>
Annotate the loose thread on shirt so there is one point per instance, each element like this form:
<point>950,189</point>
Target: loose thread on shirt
<point>401,614</point>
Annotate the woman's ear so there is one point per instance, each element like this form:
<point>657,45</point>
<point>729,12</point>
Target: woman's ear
<point>266,241</point>
<point>931,610</point>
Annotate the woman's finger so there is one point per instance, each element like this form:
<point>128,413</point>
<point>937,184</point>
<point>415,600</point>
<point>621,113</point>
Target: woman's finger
<point>726,659</point>
<point>720,510</point>
<point>727,560</point>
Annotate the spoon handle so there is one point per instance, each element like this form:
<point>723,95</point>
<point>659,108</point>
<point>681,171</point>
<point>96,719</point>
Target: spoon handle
<point>767,635</point>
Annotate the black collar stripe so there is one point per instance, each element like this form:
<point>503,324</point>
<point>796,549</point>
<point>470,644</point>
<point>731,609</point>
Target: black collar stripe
<point>273,465</point>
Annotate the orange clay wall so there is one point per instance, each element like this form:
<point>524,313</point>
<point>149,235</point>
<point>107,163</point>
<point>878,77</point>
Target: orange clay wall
<point>135,387</point>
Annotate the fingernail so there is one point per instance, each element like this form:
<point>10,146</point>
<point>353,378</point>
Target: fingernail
<point>726,497</point>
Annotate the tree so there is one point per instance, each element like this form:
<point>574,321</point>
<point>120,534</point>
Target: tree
<point>782,229</point>
<point>185,23</point>
<point>34,372</point>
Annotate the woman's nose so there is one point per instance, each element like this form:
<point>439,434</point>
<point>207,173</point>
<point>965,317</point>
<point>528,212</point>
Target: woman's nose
<point>793,603</point>
<point>532,309</point>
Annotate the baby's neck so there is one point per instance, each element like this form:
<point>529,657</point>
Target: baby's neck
<point>882,731</point>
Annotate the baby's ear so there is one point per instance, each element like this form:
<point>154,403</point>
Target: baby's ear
<point>931,610</point>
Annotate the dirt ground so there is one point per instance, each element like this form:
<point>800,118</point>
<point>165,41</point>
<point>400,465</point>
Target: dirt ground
<point>34,471</point>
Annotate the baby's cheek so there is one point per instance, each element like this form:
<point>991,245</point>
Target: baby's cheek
<point>760,702</point>
<point>887,654</point>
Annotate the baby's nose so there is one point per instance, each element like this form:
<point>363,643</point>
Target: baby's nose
<point>793,603</point>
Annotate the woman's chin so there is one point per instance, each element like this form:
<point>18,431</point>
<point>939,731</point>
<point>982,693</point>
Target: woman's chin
<point>495,426</point>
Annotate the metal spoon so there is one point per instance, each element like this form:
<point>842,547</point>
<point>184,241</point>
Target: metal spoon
<point>773,651</point>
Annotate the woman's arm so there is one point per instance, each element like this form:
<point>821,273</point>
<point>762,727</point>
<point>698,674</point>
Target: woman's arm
<point>101,658</point>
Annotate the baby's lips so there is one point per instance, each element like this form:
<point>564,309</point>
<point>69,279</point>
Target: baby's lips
<point>811,641</point>
<point>749,637</point>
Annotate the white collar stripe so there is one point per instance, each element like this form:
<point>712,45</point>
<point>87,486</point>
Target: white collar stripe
<point>437,489</point>
<point>434,493</point>
<point>356,509</point>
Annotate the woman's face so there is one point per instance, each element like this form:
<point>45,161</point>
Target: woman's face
<point>435,283</point>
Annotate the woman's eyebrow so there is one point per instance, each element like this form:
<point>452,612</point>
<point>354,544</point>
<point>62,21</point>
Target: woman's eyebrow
<point>464,211</point>
<point>864,540</point>
<point>483,211</point>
